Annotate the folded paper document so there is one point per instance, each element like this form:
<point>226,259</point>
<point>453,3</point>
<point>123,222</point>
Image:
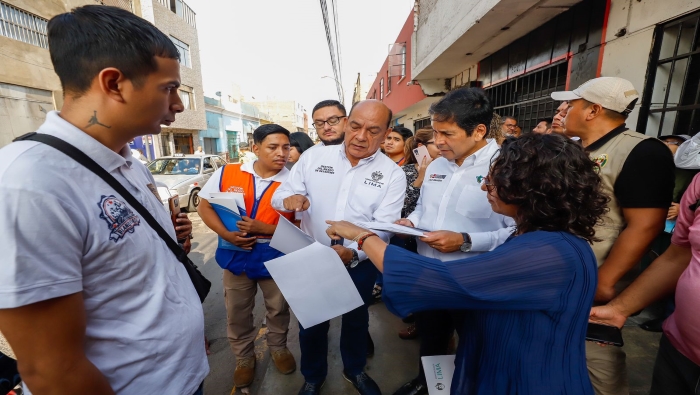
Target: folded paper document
<point>393,228</point>
<point>439,370</point>
<point>230,207</point>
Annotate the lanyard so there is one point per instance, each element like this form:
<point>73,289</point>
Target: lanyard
<point>255,197</point>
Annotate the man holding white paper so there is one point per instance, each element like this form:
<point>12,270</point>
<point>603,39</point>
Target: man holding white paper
<point>354,182</point>
<point>452,204</point>
<point>244,268</point>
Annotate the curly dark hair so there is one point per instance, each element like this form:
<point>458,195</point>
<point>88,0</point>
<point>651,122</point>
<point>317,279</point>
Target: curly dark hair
<point>552,181</point>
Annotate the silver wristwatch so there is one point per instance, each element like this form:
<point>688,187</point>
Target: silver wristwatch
<point>467,245</point>
<point>355,259</point>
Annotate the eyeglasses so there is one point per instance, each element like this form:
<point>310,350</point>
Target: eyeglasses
<point>486,181</point>
<point>332,121</point>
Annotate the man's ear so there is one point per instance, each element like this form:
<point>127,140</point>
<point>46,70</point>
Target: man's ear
<point>111,83</point>
<point>596,110</point>
<point>255,149</point>
<point>479,132</point>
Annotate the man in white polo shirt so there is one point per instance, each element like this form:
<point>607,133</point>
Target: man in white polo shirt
<point>92,301</point>
<point>354,182</point>
<point>452,204</point>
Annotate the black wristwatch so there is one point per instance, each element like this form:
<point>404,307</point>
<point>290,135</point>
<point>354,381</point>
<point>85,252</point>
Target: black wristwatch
<point>467,245</point>
<point>355,259</point>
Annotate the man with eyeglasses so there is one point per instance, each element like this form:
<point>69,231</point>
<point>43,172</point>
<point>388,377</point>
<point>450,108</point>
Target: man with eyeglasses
<point>454,207</point>
<point>329,119</point>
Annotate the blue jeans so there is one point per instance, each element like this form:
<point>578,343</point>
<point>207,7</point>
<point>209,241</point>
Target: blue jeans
<point>200,390</point>
<point>313,341</point>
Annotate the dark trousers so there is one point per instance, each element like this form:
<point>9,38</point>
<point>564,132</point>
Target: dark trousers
<point>313,341</point>
<point>674,374</point>
<point>436,328</point>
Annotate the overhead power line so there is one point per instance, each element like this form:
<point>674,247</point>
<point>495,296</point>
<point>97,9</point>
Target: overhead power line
<point>332,37</point>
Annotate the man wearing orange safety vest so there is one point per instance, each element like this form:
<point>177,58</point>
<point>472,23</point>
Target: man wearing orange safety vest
<point>245,270</point>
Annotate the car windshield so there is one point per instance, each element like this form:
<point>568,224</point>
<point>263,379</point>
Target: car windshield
<point>175,166</point>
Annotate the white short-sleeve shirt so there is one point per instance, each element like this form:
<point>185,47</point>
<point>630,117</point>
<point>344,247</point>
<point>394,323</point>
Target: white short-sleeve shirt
<point>371,191</point>
<point>65,231</point>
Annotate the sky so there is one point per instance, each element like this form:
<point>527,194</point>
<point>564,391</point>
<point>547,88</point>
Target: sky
<point>278,49</point>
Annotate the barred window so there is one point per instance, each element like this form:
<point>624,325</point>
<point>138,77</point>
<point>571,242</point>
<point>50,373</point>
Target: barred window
<point>671,101</point>
<point>20,25</point>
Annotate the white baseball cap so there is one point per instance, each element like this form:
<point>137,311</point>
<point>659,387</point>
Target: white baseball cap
<point>615,94</point>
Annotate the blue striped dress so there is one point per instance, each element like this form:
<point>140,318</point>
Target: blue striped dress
<point>527,306</point>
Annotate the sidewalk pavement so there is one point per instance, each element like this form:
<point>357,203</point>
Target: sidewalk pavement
<point>394,361</point>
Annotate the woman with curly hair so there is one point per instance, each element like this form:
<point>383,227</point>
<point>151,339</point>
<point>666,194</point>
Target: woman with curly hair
<point>527,301</point>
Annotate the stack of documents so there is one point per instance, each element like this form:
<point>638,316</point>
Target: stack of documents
<point>311,276</point>
<point>230,207</point>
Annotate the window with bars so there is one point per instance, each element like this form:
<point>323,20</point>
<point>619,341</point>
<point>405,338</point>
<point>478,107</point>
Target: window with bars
<point>527,98</point>
<point>23,26</point>
<point>381,89</point>
<point>671,102</point>
<point>421,124</point>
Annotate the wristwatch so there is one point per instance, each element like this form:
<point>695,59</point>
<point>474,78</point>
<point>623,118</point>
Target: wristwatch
<point>355,259</point>
<point>467,245</point>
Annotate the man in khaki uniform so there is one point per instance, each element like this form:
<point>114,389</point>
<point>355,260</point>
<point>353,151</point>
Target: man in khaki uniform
<point>637,173</point>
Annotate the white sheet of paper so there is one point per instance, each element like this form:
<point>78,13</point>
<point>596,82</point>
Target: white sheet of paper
<point>393,228</point>
<point>315,283</point>
<point>236,196</point>
<point>288,238</point>
<point>228,203</point>
<point>439,370</point>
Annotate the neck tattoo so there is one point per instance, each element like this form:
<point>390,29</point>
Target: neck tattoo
<point>93,121</point>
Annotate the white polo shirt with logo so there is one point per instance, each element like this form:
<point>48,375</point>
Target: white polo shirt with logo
<point>65,231</point>
<point>374,190</point>
<point>451,199</point>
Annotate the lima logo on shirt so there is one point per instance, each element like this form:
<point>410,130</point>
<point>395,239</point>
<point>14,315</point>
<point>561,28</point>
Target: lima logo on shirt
<point>374,181</point>
<point>119,217</point>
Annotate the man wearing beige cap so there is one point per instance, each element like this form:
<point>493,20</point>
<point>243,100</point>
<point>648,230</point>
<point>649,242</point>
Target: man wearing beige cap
<point>637,173</point>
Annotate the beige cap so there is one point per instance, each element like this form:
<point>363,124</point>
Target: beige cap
<point>615,94</point>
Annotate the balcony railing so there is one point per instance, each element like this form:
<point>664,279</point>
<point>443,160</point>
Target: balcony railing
<point>180,8</point>
<point>124,4</point>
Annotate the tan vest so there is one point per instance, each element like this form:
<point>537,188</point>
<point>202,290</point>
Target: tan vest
<point>611,157</point>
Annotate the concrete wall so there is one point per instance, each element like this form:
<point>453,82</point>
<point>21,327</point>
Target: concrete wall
<point>172,25</point>
<point>628,56</point>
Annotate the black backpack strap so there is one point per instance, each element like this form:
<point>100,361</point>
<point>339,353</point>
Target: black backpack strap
<point>80,157</point>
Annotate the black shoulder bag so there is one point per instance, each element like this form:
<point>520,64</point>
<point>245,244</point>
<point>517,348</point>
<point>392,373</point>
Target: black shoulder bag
<point>201,284</point>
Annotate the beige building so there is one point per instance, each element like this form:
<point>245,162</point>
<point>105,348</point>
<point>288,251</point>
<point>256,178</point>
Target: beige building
<point>287,113</point>
<point>176,19</point>
<point>29,87</point>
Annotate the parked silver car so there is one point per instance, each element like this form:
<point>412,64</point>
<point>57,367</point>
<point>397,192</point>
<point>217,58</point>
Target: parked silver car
<point>185,175</point>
